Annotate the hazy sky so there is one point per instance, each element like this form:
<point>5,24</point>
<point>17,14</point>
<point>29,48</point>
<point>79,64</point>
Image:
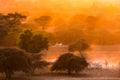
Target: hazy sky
<point>60,7</point>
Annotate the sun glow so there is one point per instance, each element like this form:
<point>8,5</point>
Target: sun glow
<point>66,9</point>
<point>110,1</point>
<point>57,6</point>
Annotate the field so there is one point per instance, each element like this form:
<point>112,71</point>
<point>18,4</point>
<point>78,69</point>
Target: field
<point>94,74</point>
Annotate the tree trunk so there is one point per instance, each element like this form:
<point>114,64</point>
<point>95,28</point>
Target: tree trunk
<point>33,71</point>
<point>69,72</point>
<point>81,54</point>
<point>8,75</point>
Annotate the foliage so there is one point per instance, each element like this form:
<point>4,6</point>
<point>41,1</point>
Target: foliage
<point>39,64</point>
<point>80,45</point>
<point>9,26</point>
<point>10,21</point>
<point>69,62</point>
<point>33,43</point>
<point>43,21</point>
<point>80,26</point>
<point>67,35</point>
<point>12,60</point>
<point>88,27</point>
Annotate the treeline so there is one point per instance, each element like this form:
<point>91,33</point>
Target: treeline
<point>13,24</point>
<point>27,56</point>
<point>94,29</point>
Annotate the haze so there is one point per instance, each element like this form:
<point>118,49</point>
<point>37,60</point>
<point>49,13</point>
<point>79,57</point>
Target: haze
<point>62,8</point>
<point>109,9</point>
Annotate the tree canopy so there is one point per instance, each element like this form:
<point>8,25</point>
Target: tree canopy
<point>33,43</point>
<point>39,64</point>
<point>80,45</point>
<point>12,60</point>
<point>10,21</point>
<point>10,28</point>
<point>70,63</point>
<point>43,21</point>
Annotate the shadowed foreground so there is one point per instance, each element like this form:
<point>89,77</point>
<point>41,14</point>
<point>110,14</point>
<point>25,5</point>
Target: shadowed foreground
<point>95,74</point>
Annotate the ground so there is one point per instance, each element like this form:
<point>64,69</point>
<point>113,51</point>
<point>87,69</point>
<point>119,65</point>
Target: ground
<point>94,74</point>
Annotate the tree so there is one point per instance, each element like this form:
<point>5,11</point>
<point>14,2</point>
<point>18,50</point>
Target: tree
<point>10,21</point>
<point>43,21</point>
<point>39,64</point>
<point>80,45</point>
<point>70,63</point>
<point>10,28</point>
<point>33,43</point>
<point>68,32</point>
<point>12,60</point>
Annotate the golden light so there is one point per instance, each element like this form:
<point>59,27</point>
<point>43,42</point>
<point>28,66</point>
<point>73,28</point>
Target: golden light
<point>55,6</point>
<point>110,1</point>
<point>64,8</point>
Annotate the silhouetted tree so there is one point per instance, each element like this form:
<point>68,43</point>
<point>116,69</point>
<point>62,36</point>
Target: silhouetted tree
<point>43,21</point>
<point>39,64</point>
<point>10,25</point>
<point>80,45</point>
<point>10,21</point>
<point>70,63</point>
<point>33,43</point>
<point>12,60</point>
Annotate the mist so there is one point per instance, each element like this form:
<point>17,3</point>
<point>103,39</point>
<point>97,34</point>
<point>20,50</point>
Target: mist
<point>107,12</point>
<point>66,8</point>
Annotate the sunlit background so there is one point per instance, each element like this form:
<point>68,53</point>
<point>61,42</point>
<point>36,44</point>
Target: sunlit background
<point>107,10</point>
<point>61,7</point>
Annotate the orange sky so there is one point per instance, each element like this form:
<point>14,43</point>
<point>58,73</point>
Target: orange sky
<point>65,8</point>
<point>60,7</point>
<point>107,10</point>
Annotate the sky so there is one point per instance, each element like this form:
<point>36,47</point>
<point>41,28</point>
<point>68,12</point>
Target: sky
<point>60,7</point>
